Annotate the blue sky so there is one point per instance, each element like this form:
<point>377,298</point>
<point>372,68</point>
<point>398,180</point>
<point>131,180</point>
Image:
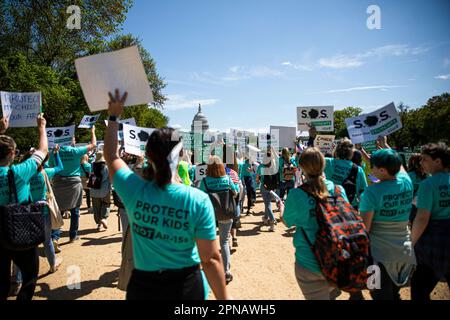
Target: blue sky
<point>250,63</point>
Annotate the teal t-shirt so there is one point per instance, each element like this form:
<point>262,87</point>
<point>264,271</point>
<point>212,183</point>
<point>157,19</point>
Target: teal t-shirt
<point>390,200</point>
<point>38,188</point>
<point>281,164</point>
<point>300,211</point>
<point>241,171</point>
<point>337,170</point>
<point>246,166</point>
<point>217,184</point>
<point>87,169</point>
<point>23,172</point>
<point>70,157</point>
<point>434,196</point>
<point>164,223</point>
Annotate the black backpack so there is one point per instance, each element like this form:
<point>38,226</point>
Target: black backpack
<point>21,225</point>
<point>349,183</point>
<point>223,202</point>
<point>96,176</point>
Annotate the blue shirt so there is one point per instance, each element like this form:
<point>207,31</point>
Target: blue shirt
<point>164,223</point>
<point>337,170</point>
<point>23,172</point>
<point>390,200</point>
<point>434,196</point>
<point>300,211</point>
<point>70,157</point>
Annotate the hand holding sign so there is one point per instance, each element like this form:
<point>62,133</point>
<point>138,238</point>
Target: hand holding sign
<point>4,125</point>
<point>41,121</point>
<point>116,103</point>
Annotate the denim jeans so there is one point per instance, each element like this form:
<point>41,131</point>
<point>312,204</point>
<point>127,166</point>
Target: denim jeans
<point>74,220</point>
<point>285,187</point>
<point>267,203</point>
<point>48,243</point>
<point>56,234</point>
<point>224,230</point>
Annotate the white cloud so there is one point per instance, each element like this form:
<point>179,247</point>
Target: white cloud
<point>297,66</point>
<point>342,61</point>
<point>178,102</point>
<point>383,88</point>
<point>443,77</point>
<point>243,73</point>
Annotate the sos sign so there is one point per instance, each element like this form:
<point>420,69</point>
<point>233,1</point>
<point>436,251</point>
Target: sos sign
<point>61,135</point>
<point>320,117</point>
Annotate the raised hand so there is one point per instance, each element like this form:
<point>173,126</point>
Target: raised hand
<point>116,103</point>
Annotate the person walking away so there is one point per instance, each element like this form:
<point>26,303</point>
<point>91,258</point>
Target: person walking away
<point>342,171</point>
<point>217,180</point>
<point>431,226</point>
<point>100,191</point>
<point>247,170</point>
<point>385,208</point>
<point>38,189</point>
<point>167,250</point>
<point>300,211</point>
<point>67,183</point>
<point>287,172</point>
<point>26,260</point>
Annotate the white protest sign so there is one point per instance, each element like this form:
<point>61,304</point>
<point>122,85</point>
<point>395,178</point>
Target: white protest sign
<point>105,72</point>
<point>325,143</point>
<point>88,121</point>
<point>287,136</point>
<point>21,109</point>
<point>320,117</point>
<point>135,139</point>
<point>266,139</point>
<point>60,135</point>
<point>131,122</point>
<point>369,127</point>
<point>200,172</point>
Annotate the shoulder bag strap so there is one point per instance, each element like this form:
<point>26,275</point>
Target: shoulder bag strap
<point>85,172</point>
<point>12,186</point>
<point>353,173</point>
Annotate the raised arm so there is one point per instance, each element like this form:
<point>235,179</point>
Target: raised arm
<point>111,154</point>
<point>43,141</point>
<point>93,143</point>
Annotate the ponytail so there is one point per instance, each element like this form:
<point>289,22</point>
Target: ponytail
<point>317,187</point>
<point>158,148</point>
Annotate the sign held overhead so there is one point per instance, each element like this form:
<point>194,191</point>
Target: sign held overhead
<point>320,117</point>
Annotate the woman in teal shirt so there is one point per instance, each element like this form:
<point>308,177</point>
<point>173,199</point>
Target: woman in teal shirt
<point>217,180</point>
<point>431,227</point>
<point>172,225</point>
<point>26,260</point>
<point>300,211</point>
<point>38,191</point>
<point>385,208</point>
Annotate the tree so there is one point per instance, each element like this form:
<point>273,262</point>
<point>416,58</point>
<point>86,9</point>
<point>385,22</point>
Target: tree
<point>340,128</point>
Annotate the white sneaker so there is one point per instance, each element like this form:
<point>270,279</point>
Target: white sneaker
<point>104,223</point>
<point>272,228</point>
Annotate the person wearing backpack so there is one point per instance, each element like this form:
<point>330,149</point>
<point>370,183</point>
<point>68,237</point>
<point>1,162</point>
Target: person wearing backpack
<point>287,171</point>
<point>100,191</point>
<point>217,180</point>
<point>342,171</point>
<point>268,177</point>
<point>385,208</point>
<point>431,226</point>
<point>300,210</point>
<point>26,260</point>
<point>67,183</point>
<point>172,225</point>
<point>85,172</point>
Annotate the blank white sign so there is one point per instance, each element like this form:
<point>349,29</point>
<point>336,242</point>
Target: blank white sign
<point>105,72</point>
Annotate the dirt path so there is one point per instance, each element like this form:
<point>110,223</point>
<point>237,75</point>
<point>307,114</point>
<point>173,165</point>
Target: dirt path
<point>262,264</point>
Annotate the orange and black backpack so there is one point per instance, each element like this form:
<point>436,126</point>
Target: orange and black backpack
<point>342,246</point>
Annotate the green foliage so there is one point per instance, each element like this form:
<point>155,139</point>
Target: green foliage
<point>37,54</point>
<point>340,128</point>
